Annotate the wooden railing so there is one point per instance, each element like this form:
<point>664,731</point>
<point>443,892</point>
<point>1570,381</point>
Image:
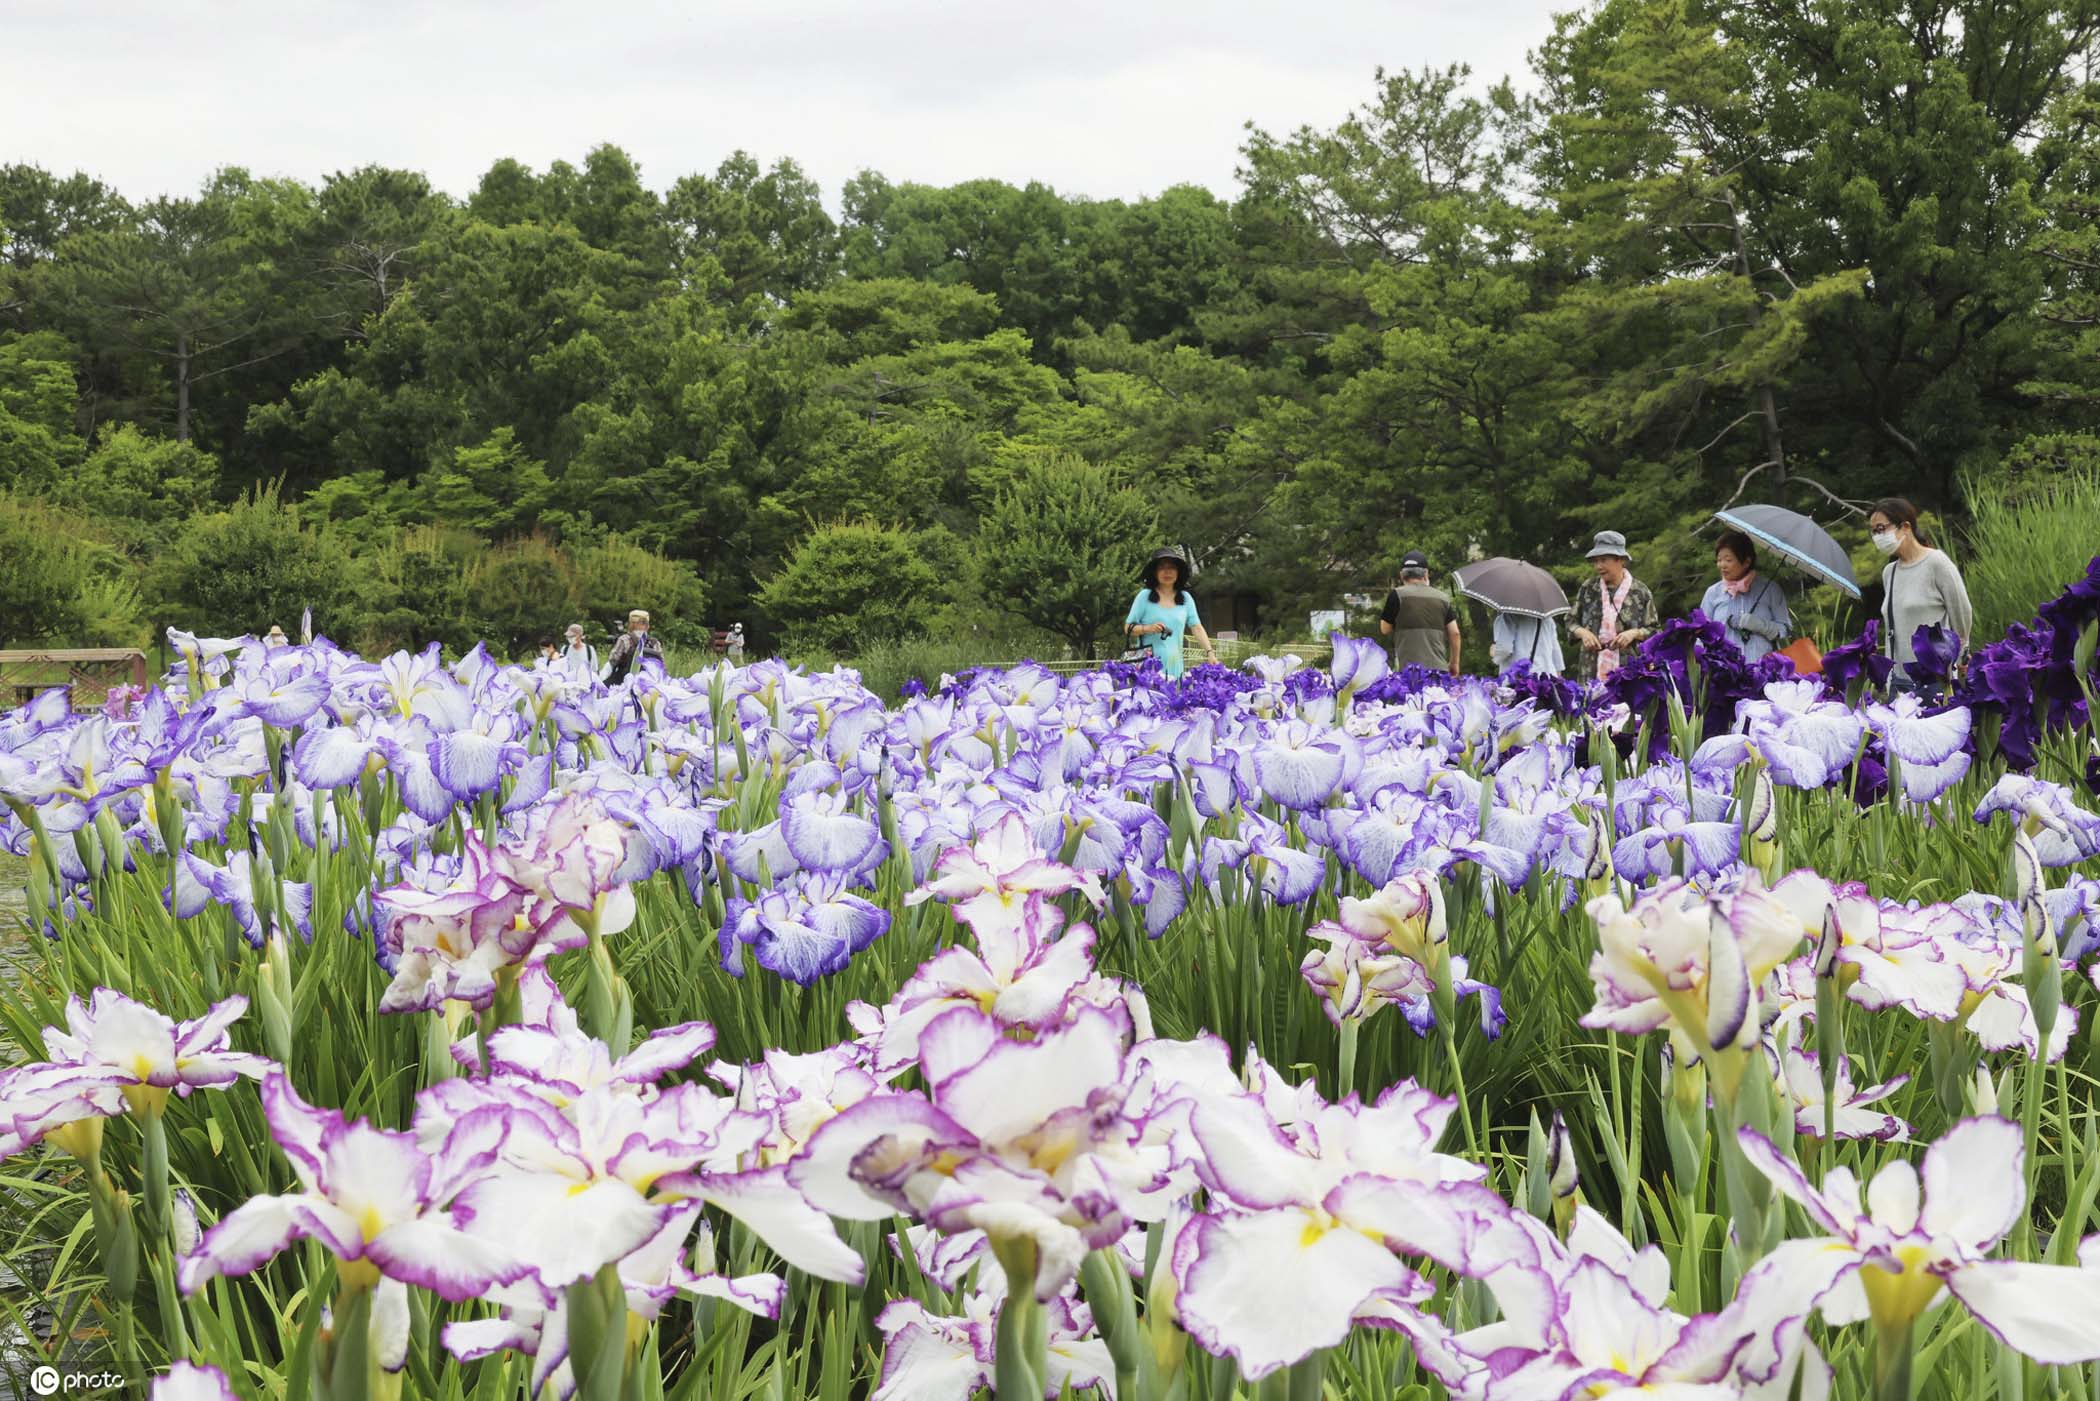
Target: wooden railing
<point>90,671</point>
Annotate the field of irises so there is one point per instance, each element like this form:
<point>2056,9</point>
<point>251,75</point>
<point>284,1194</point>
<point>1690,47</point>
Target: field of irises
<point>455,1030</point>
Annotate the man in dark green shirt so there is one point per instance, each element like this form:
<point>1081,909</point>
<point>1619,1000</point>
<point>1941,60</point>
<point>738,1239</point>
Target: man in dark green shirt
<point>1420,619</point>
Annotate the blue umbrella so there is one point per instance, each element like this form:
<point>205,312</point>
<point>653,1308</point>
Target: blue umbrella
<point>1796,539</point>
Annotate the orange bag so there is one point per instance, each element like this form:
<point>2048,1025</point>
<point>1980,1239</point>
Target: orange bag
<point>1806,656</point>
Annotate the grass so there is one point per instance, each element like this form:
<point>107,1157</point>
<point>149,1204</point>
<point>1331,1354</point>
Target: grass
<point>2024,542</point>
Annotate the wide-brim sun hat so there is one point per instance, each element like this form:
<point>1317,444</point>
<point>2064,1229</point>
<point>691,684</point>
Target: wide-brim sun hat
<point>1610,542</point>
<point>1159,557</point>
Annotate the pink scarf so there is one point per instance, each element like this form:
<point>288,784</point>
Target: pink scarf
<point>1736,588</point>
<point>1608,629</point>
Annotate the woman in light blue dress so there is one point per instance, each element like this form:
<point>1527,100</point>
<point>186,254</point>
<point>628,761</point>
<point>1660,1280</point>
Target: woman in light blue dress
<point>1161,614</point>
<point>1751,606</point>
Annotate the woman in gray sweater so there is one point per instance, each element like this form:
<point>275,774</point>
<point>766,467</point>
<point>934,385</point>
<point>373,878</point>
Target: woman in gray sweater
<point>1920,586</point>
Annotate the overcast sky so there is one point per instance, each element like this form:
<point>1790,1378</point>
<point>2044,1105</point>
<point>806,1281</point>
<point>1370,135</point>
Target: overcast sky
<point>1095,97</point>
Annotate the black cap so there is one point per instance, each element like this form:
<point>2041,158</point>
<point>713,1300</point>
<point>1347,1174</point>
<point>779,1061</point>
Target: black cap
<point>1414,559</point>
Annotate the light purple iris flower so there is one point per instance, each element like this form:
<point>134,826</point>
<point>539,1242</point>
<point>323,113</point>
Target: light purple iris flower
<point>823,833</point>
<point>1301,765</point>
<point>1708,848</point>
<point>1286,874</point>
<point>1932,748</point>
<point>1356,663</point>
<point>2063,831</point>
<point>198,884</point>
<point>804,929</point>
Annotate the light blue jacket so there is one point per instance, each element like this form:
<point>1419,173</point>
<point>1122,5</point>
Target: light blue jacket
<point>1518,638</point>
<point>1757,622</point>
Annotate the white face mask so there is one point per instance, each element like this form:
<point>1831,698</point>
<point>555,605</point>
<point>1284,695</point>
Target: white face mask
<point>1885,541</point>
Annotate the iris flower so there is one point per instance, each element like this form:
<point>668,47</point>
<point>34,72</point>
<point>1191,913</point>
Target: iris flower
<point>112,1039</point>
<point>378,1202</point>
<point>1921,1232</point>
<point>1313,1210</point>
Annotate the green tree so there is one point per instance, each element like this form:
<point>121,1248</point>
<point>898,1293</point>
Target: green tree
<point>492,487</point>
<point>195,290</point>
<point>50,569</point>
<point>370,226</point>
<point>769,232</point>
<point>850,585</point>
<point>38,404</point>
<point>1059,547</point>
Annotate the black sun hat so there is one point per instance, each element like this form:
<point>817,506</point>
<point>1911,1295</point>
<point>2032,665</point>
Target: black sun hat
<point>1159,557</point>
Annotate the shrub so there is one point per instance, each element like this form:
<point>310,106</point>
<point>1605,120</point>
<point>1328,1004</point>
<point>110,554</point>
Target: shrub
<point>1061,546</point>
<point>43,571</point>
<point>416,589</point>
<point>255,564</point>
<point>850,587</point>
<point>521,594</point>
<point>614,575</point>
<point>141,486</point>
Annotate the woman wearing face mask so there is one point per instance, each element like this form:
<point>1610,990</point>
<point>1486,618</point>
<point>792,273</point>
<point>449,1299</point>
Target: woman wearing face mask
<point>1920,586</point>
<point>1751,606</point>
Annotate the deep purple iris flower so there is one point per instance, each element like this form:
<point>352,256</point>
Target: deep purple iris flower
<point>1549,692</point>
<point>1936,650</point>
<point>2030,679</point>
<point>1859,660</point>
<point>1695,659</point>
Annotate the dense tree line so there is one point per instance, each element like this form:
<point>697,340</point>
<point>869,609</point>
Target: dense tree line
<point>1835,249</point>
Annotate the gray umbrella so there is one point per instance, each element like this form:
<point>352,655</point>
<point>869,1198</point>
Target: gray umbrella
<point>1796,539</point>
<point>1512,586</point>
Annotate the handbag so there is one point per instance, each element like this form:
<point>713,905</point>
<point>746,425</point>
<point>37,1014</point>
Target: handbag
<point>1805,655</point>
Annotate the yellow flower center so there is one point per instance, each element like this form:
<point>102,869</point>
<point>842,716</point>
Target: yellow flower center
<point>1896,1298</point>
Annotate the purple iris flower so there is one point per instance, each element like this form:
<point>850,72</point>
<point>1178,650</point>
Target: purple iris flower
<point>1936,650</point>
<point>1421,1013</point>
<point>1549,692</point>
<point>823,833</point>
<point>1302,765</point>
<point>804,929</point>
<point>1860,660</point>
<point>1287,875</point>
<point>199,883</point>
<point>2064,833</point>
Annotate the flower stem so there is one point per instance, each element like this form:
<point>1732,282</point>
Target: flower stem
<point>1892,1358</point>
<point>1017,1367</point>
<point>1458,1076</point>
<point>1345,1080</point>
